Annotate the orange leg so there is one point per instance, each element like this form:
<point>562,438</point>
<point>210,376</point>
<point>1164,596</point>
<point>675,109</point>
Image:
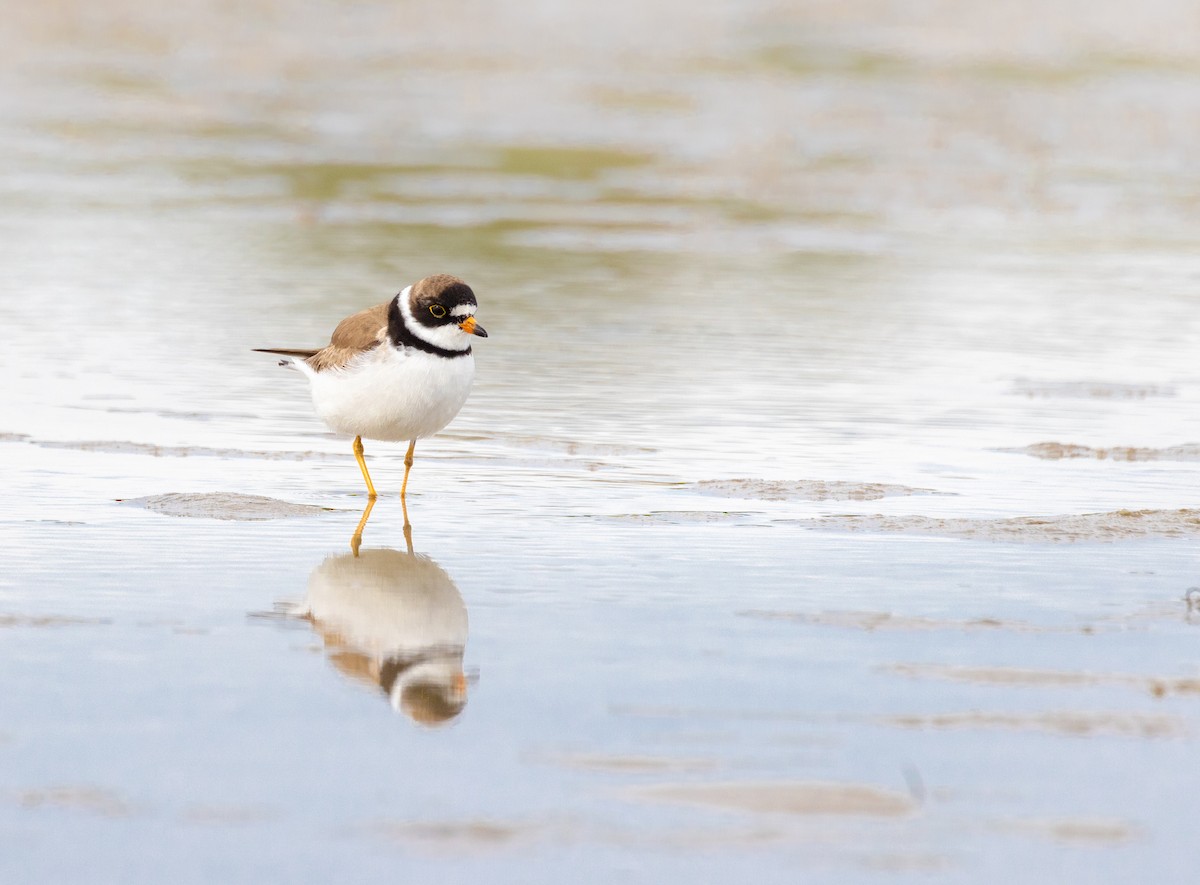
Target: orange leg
<point>408,459</point>
<point>362,465</point>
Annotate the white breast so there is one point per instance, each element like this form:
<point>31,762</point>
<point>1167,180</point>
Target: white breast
<point>393,394</point>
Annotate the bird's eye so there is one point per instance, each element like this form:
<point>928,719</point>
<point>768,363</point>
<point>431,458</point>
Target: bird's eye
<point>437,310</point>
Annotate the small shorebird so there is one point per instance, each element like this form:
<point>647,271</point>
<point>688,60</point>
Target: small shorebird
<point>397,371</point>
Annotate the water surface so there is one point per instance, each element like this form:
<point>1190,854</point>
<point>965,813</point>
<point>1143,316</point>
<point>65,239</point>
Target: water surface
<point>824,507</point>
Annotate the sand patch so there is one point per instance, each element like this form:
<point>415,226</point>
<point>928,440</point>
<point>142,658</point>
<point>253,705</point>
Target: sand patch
<point>1157,686</point>
<point>224,505</point>
<point>1080,831</point>
<point>1079,724</point>
<point>797,798</point>
<point>800,489</point>
<point>618,764</point>
<point>1054,451</point>
<point>49,621</point>
<point>92,800</point>
<point>907,863</point>
<point>119,447</point>
<point>569,447</point>
<point>455,836</point>
<point>1118,525</point>
<point>871,620</point>
<point>1089,390</point>
<point>682,517</point>
<point>228,815</point>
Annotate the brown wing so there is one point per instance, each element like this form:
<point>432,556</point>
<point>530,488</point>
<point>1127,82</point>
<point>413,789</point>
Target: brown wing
<point>356,334</point>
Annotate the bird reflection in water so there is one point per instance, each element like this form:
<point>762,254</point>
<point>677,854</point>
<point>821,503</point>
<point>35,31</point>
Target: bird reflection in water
<point>393,620</point>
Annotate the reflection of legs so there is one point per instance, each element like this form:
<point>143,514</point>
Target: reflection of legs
<point>362,465</point>
<point>356,539</point>
<point>407,526</point>
<point>407,467</point>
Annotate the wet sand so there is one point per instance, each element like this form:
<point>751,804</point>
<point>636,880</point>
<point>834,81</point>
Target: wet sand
<point>825,508</point>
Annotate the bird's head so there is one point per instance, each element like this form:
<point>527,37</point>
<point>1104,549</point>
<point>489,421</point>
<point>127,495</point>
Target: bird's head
<point>440,311</point>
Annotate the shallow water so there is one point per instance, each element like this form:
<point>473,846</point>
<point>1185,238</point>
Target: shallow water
<point>824,507</point>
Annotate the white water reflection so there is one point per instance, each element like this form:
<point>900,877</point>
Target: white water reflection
<point>394,621</point>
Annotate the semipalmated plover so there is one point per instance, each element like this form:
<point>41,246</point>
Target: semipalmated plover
<point>397,371</point>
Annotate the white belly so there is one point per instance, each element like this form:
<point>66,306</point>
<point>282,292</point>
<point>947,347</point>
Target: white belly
<point>393,395</point>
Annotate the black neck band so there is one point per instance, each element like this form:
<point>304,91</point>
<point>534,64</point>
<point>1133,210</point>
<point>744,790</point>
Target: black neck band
<point>395,667</point>
<point>402,336</point>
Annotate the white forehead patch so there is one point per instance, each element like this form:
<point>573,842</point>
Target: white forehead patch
<point>463,310</point>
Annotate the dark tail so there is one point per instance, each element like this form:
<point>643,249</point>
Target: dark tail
<point>285,351</point>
